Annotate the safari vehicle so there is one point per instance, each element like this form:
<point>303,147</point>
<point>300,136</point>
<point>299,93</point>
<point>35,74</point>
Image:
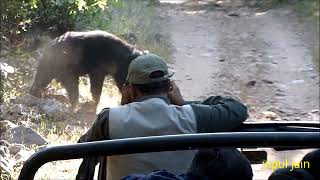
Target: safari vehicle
<point>277,135</point>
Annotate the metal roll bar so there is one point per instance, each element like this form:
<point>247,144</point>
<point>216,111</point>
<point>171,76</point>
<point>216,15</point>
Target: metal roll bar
<point>168,143</point>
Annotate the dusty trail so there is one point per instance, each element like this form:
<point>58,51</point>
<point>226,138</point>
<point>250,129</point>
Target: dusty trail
<point>261,58</point>
<point>230,49</point>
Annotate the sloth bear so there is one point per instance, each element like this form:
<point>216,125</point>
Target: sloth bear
<point>75,54</point>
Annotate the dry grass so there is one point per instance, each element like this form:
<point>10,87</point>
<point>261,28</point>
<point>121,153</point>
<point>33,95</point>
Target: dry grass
<point>134,17</point>
<point>127,17</point>
<point>110,95</point>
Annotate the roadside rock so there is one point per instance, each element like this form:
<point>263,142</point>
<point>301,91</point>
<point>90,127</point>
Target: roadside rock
<point>277,110</point>
<point>267,81</point>
<point>23,135</point>
<point>30,100</point>
<point>269,115</point>
<point>19,114</point>
<point>251,83</point>
<point>4,143</point>
<point>314,115</point>
<point>234,14</point>
<point>16,109</point>
<point>22,156</point>
<point>54,109</point>
<point>15,148</point>
<point>27,124</point>
<point>316,111</point>
<point>5,125</point>
<point>5,167</point>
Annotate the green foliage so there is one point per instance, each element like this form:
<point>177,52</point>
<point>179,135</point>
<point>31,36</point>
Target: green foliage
<point>14,20</point>
<point>307,7</point>
<point>125,18</point>
<point>131,19</point>
<point>55,16</point>
<point>61,15</point>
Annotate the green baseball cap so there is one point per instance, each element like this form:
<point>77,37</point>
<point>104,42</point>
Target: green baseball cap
<point>147,69</point>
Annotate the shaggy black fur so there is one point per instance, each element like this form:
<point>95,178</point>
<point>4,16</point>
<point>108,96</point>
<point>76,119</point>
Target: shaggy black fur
<point>74,54</point>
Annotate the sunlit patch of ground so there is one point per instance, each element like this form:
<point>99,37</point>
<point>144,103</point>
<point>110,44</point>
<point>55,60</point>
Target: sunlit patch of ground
<point>66,169</point>
<point>59,170</point>
<point>110,95</point>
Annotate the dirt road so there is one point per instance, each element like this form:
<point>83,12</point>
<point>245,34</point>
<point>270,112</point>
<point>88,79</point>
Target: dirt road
<point>260,57</point>
<point>263,58</point>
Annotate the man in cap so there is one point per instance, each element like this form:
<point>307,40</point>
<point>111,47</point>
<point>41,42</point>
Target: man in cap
<point>152,105</point>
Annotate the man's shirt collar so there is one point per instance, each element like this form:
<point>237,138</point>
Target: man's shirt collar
<point>143,98</point>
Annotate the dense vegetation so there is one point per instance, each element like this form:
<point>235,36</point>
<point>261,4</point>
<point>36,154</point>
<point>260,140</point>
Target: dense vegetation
<point>21,18</point>
<point>26,26</point>
<point>307,8</point>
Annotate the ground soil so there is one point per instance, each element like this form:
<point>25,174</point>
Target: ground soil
<point>264,58</point>
<point>231,49</point>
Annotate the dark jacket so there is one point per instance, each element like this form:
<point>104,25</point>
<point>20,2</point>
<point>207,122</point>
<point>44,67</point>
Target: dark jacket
<point>215,114</point>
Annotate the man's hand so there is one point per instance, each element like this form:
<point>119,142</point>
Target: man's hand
<point>175,95</point>
<point>125,94</point>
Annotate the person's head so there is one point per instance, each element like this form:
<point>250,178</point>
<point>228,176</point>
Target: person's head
<point>148,75</point>
<point>290,174</point>
<point>221,164</point>
<point>313,158</point>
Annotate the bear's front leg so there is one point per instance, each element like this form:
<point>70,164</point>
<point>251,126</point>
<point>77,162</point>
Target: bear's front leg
<point>96,82</point>
<point>71,83</point>
<point>42,78</point>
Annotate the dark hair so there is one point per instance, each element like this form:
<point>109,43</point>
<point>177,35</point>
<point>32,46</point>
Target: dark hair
<point>290,174</point>
<point>221,164</point>
<point>313,158</point>
<point>154,88</point>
